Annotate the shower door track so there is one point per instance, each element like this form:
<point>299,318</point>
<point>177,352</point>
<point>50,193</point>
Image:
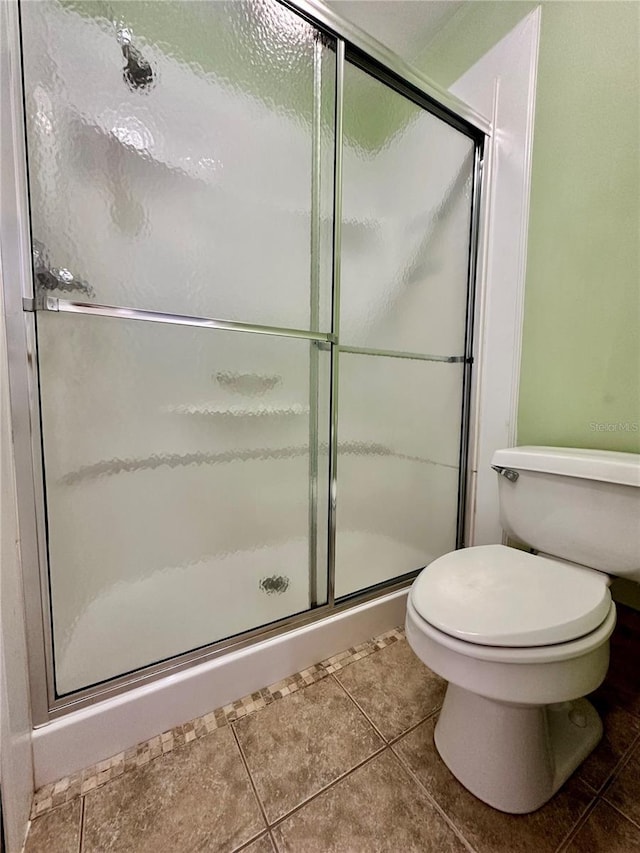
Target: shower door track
<point>20,301</point>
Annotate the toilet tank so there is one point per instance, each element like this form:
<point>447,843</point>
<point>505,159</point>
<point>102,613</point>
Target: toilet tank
<point>579,505</point>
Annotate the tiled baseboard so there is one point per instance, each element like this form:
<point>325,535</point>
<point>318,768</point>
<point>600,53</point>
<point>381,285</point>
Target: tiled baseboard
<point>70,787</point>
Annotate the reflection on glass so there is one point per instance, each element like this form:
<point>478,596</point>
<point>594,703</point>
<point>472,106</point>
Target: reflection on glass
<point>177,475</point>
<point>398,460</point>
<point>407,180</point>
<point>171,149</point>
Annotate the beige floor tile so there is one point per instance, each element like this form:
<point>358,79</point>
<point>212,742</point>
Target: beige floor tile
<point>376,809</point>
<point>394,688</point>
<point>620,730</point>
<point>624,791</point>
<point>302,743</point>
<point>606,831</point>
<point>488,830</point>
<point>56,832</point>
<point>198,797</point>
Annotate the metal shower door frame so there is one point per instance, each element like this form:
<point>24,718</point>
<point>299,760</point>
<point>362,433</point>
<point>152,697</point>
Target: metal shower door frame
<point>352,45</point>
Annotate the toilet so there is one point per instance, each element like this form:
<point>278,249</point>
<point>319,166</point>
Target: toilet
<point>522,637</point>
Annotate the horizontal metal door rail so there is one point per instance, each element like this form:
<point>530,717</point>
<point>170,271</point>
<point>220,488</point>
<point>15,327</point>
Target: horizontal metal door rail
<point>51,303</point>
<point>388,353</point>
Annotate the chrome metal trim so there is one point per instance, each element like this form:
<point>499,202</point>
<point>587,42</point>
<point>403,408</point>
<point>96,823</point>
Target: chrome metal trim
<point>17,285</point>
<point>465,472</point>
<point>71,307</point>
<point>318,12</point>
<point>508,473</point>
<point>316,155</point>
<point>314,391</point>
<point>387,353</point>
<point>314,317</point>
<point>146,675</point>
<point>335,323</point>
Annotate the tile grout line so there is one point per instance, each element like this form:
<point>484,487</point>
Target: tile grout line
<point>414,726</point>
<point>626,758</point>
<point>392,740</point>
<point>599,796</point>
<point>620,812</point>
<point>359,707</point>
<point>251,780</point>
<point>448,820</point>
<point>327,787</point>
<point>619,766</point>
<point>580,822</point>
<point>81,833</point>
<point>600,792</point>
<point>246,844</point>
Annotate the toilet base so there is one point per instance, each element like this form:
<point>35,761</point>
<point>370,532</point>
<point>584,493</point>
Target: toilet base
<point>514,757</point>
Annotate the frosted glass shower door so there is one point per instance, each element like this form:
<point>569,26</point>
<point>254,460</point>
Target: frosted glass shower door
<point>172,148</point>
<point>181,187</point>
<point>177,468</point>
<point>406,222</point>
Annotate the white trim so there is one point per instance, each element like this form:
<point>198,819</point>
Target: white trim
<point>533,23</point>
<point>485,230</point>
<point>16,768</point>
<point>84,737</point>
<point>502,84</point>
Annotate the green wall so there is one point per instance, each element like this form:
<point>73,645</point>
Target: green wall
<point>580,375</point>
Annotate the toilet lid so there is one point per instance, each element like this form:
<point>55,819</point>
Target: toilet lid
<point>498,596</point>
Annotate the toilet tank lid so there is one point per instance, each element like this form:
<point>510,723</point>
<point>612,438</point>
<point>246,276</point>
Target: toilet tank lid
<point>607,466</point>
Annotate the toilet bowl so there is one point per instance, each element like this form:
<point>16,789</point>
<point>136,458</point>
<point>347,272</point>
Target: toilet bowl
<point>522,638</point>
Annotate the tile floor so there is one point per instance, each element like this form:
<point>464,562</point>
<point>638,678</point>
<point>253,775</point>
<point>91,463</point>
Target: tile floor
<point>348,764</point>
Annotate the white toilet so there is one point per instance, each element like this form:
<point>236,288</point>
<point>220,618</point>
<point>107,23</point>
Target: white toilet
<point>521,637</point>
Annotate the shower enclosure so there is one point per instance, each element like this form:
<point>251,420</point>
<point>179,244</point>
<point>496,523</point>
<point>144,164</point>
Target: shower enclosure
<point>253,246</point>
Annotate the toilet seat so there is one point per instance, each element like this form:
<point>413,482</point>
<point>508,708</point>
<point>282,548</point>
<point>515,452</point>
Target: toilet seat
<point>503,654</point>
<point>496,596</point>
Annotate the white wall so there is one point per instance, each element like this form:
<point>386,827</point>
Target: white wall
<point>16,764</point>
<point>16,761</point>
<point>501,84</point>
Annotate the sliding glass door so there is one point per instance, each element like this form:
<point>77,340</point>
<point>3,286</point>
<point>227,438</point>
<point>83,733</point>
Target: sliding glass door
<point>407,187</point>
<point>252,289</point>
<point>181,169</point>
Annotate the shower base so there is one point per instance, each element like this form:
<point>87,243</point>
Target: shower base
<point>152,618</point>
